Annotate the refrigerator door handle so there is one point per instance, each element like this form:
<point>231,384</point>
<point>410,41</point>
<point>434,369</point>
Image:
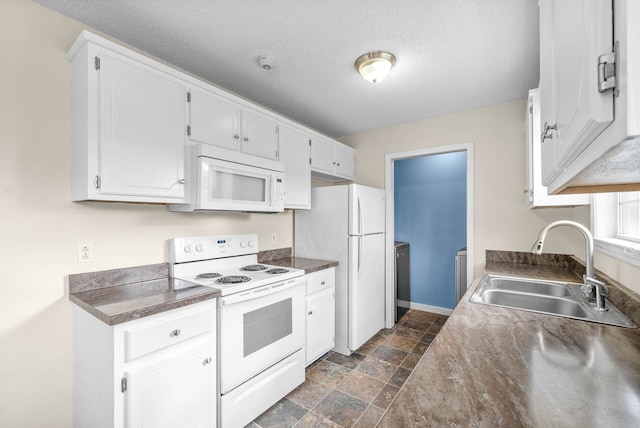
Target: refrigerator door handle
<point>360,226</point>
<point>359,255</point>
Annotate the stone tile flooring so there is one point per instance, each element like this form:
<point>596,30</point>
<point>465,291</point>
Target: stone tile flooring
<point>355,391</point>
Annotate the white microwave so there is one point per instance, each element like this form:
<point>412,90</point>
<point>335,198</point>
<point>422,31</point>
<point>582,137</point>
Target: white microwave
<point>225,180</point>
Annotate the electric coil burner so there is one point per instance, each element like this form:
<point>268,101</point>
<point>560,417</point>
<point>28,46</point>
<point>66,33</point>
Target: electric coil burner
<point>277,271</point>
<point>253,268</point>
<point>208,275</point>
<point>233,279</point>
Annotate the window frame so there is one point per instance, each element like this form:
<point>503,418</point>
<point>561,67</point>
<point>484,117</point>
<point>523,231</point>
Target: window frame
<point>604,226</point>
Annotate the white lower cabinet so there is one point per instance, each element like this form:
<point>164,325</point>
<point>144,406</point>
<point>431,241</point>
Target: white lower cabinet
<point>321,319</point>
<point>157,371</point>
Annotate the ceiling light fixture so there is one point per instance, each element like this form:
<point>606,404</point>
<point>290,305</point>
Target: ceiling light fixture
<point>374,66</point>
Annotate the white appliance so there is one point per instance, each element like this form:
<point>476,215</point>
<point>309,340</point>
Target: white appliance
<point>261,321</point>
<point>346,223</point>
<point>225,180</point>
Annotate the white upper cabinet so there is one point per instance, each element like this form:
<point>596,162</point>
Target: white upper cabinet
<point>331,160</point>
<point>134,117</point>
<point>213,120</point>
<point>220,122</point>
<point>589,96</point>
<point>295,148</point>
<point>259,135</point>
<point>127,131</point>
<point>536,194</point>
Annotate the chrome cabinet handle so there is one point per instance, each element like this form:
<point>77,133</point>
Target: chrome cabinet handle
<point>206,361</point>
<point>310,313</point>
<point>236,136</point>
<point>322,283</point>
<point>547,131</point>
<point>175,333</point>
<point>246,138</point>
<point>182,181</point>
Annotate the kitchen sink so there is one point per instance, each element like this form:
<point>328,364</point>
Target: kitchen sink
<point>548,297</point>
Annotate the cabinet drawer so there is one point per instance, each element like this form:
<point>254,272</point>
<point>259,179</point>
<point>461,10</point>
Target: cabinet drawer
<point>321,280</point>
<point>166,331</point>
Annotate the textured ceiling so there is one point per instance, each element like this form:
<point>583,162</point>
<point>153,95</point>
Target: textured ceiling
<point>452,55</point>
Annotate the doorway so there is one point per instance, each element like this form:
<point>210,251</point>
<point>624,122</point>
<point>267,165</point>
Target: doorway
<point>433,208</point>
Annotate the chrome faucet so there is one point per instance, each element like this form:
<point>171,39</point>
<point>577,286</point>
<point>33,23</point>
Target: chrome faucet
<point>590,284</point>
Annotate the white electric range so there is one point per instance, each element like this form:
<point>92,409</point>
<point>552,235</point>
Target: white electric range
<point>261,321</point>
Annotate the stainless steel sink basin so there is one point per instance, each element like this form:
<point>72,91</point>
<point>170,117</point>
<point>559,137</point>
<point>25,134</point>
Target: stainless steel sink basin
<point>548,297</point>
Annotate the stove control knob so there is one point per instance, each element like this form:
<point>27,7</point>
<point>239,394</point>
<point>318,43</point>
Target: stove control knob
<point>251,243</point>
<point>243,244</point>
<point>187,248</point>
<point>198,248</point>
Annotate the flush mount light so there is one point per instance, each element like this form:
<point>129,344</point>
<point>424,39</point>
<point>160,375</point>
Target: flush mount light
<point>266,63</point>
<point>374,66</point>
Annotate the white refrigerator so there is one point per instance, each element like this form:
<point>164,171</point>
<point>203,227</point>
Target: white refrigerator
<point>346,223</point>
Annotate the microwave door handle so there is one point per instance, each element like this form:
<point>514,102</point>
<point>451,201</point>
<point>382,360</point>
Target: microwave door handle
<point>273,189</point>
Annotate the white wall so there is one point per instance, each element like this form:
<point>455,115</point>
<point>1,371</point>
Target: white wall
<point>40,227</point>
<point>502,220</point>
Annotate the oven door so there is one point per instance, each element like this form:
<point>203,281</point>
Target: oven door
<point>259,328</point>
<point>229,186</point>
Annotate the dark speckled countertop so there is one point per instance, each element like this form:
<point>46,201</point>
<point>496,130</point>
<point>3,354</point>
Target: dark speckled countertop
<point>500,367</point>
<point>283,257</point>
<point>120,295</point>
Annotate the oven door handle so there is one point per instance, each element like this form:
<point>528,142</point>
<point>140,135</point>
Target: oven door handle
<point>261,291</point>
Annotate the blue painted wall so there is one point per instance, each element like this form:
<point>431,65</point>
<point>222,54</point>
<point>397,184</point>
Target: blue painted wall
<point>430,214</point>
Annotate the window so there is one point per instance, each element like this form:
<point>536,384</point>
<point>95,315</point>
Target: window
<point>615,221</point>
<point>629,216</point>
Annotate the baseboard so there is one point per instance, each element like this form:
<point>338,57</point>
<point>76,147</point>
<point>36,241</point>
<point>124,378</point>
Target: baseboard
<point>424,308</point>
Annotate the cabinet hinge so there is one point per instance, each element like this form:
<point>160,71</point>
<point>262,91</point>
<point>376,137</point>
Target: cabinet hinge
<point>188,96</point>
<point>97,181</point>
<point>607,71</point>
<point>123,385</point>
<point>189,130</point>
<point>96,63</point>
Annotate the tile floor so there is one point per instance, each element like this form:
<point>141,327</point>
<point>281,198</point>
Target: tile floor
<point>355,391</point>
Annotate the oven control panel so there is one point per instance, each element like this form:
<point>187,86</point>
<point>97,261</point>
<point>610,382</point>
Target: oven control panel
<point>198,248</point>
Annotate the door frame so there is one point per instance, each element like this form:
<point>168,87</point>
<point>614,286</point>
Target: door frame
<point>390,297</point>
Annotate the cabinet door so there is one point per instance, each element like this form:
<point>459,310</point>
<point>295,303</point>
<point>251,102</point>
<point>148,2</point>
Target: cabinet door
<point>582,31</point>
<point>320,324</point>
<point>322,156</point>
<point>213,120</point>
<point>176,391</point>
<point>344,162</point>
<point>536,194</point>
<point>547,103</point>
<point>295,154</point>
<point>259,135</point>
<point>141,130</point>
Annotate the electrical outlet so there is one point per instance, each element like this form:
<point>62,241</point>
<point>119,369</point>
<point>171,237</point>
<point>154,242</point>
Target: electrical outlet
<point>274,238</point>
<point>85,253</point>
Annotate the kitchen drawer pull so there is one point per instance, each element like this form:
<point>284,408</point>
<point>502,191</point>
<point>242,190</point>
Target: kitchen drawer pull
<point>175,333</point>
<point>323,283</point>
<point>310,313</point>
<point>206,361</point>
